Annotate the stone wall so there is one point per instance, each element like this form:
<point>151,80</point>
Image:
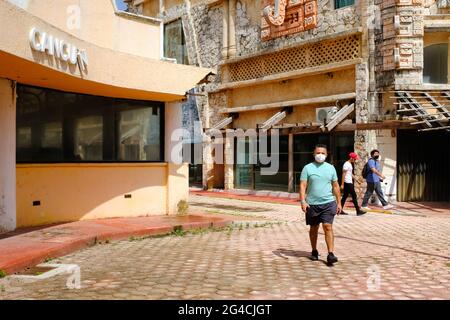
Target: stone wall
<point>329,21</point>
<point>399,61</point>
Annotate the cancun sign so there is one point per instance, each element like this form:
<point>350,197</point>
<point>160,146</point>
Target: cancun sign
<point>61,50</point>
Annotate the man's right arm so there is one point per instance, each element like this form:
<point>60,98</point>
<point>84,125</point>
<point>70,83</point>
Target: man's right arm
<point>303,186</point>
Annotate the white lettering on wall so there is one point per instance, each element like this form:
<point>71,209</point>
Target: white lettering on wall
<point>61,50</point>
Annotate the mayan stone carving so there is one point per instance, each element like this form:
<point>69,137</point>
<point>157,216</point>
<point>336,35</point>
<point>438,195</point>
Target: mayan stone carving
<point>284,17</point>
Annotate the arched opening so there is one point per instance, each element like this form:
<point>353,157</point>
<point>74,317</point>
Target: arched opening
<point>436,63</point>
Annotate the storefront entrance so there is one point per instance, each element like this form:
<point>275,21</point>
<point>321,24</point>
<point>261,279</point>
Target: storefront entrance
<point>423,166</point>
<point>248,175</point>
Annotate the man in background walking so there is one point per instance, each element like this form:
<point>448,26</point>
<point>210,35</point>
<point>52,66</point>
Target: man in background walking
<point>374,179</point>
<point>347,184</point>
<point>320,199</point>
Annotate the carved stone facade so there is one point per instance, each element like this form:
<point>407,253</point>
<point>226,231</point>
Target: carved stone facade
<point>293,16</point>
<point>260,48</point>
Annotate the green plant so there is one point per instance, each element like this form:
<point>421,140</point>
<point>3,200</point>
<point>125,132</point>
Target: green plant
<point>2,273</point>
<point>48,259</point>
<point>178,231</point>
<point>182,207</point>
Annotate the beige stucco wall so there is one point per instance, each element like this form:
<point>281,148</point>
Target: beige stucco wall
<point>387,144</point>
<point>97,22</point>
<point>178,174</point>
<point>70,192</point>
<point>303,88</point>
<point>308,87</point>
<point>7,156</point>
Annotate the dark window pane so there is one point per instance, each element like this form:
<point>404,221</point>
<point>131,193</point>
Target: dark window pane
<point>54,126</point>
<point>139,135</point>
<point>436,63</point>
<point>88,138</point>
<point>174,42</point>
<point>343,3</point>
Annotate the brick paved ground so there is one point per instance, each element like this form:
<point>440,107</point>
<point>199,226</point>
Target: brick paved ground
<point>409,255</point>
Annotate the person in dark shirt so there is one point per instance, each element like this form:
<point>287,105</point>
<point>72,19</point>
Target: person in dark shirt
<point>374,179</point>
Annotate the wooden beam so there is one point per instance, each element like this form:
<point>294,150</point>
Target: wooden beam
<point>221,124</point>
<point>273,120</point>
<point>394,124</point>
<point>300,102</point>
<point>340,116</point>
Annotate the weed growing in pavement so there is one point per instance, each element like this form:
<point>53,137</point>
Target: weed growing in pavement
<point>2,273</point>
<point>448,264</point>
<point>48,259</point>
<point>178,231</point>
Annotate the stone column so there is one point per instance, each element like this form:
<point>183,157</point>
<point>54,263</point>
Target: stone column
<point>229,161</point>
<point>208,164</point>
<point>7,155</point>
<point>225,29</point>
<point>291,163</point>
<point>365,140</point>
<point>232,30</point>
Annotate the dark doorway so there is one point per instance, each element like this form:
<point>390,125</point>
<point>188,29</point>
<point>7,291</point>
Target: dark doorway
<point>423,160</point>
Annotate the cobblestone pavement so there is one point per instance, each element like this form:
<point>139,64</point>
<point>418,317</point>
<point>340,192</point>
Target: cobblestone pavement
<point>381,257</point>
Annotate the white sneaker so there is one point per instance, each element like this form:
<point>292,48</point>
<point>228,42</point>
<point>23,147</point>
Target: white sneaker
<point>389,206</point>
<point>365,208</point>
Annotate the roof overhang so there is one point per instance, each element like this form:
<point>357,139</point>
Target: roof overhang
<point>109,73</point>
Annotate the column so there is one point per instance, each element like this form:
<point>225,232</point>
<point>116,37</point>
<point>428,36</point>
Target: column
<point>7,155</point>
<point>225,29</point>
<point>232,29</point>
<point>229,161</point>
<point>291,163</point>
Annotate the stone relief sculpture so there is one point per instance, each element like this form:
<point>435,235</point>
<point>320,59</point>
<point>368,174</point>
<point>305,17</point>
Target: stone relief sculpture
<point>285,17</point>
<point>275,15</point>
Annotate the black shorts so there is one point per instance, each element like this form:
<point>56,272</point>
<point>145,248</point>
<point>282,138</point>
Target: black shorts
<point>322,213</point>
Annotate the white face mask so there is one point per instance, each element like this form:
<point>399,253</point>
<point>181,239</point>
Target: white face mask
<point>320,158</point>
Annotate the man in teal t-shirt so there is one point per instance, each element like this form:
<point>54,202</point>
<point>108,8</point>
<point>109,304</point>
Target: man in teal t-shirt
<point>320,198</point>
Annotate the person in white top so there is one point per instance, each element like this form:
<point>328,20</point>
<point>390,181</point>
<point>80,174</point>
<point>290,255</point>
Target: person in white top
<point>347,184</point>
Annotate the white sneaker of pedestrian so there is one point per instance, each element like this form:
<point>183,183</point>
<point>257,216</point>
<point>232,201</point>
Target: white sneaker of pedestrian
<point>365,208</point>
<point>389,206</point>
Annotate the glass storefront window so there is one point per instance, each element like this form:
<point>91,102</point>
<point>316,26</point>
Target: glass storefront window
<point>24,137</point>
<point>138,135</point>
<point>54,126</point>
<point>89,138</point>
<point>339,147</point>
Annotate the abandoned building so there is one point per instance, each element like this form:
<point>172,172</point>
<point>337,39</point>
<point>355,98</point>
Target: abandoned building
<point>353,74</point>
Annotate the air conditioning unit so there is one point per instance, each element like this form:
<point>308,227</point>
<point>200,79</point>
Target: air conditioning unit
<point>324,115</point>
